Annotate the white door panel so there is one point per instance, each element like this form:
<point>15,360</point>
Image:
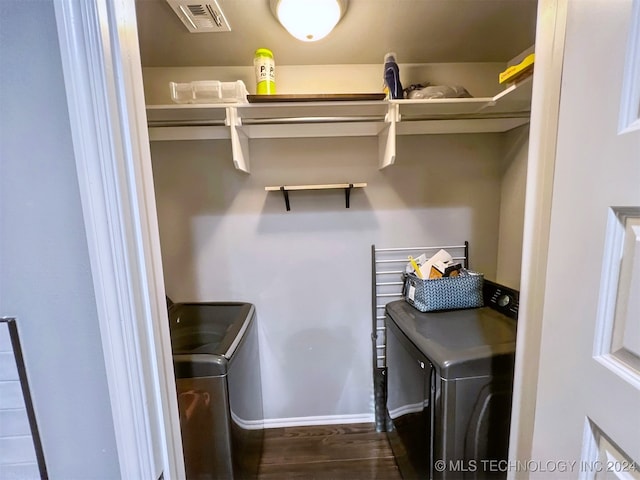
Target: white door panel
<point>588,398</point>
<point>617,343</point>
<point>630,105</point>
<point>602,459</point>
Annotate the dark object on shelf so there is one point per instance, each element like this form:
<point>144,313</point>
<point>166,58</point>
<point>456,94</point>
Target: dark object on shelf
<point>392,77</point>
<point>316,97</point>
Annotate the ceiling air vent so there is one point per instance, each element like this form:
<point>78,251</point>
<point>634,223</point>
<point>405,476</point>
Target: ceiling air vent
<point>203,17</point>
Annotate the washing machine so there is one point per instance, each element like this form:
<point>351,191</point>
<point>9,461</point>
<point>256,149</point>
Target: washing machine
<point>217,369</point>
<point>450,383</point>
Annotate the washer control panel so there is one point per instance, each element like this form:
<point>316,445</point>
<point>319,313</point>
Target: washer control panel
<point>503,299</point>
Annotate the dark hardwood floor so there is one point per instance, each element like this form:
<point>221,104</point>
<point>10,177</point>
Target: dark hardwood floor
<point>329,452</point>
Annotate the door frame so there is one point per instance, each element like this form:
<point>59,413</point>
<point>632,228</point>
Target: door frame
<point>103,78</point>
<point>105,97</point>
<point>545,109</point>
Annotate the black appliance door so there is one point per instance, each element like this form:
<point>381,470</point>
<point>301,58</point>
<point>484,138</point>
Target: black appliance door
<point>409,405</point>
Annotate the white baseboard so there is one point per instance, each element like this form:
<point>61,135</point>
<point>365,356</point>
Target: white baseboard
<point>319,420</point>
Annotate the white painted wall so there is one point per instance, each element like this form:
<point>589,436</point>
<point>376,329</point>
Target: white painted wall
<point>45,280</point>
<point>513,188</point>
<point>308,270</point>
<point>480,79</point>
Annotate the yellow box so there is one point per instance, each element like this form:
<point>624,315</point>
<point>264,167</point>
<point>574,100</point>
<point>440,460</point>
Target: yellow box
<point>515,71</point>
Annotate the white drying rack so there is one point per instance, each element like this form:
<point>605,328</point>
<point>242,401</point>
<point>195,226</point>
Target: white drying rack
<point>387,267</point>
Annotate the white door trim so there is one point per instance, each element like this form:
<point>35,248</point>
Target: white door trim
<point>103,79</point>
<point>106,103</point>
<point>545,107</point>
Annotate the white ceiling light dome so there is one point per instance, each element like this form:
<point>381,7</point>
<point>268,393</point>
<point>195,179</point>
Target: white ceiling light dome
<point>309,20</point>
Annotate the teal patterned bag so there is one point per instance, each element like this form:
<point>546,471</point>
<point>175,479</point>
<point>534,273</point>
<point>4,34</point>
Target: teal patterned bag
<point>447,293</point>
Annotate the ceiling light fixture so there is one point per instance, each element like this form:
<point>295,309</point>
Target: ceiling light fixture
<point>308,20</point>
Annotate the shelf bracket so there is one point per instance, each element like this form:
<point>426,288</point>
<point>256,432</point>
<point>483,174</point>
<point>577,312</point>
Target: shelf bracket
<point>239,140</point>
<point>347,194</point>
<point>387,137</point>
<point>285,194</point>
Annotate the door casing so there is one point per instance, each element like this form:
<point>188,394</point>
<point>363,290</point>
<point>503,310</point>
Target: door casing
<point>101,62</point>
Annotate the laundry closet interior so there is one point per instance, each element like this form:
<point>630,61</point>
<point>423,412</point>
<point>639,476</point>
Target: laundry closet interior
<point>436,173</point>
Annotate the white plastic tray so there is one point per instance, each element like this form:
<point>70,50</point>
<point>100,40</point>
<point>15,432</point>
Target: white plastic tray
<point>208,91</point>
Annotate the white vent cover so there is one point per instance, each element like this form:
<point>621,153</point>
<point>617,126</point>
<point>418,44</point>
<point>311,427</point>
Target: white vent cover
<point>200,17</point>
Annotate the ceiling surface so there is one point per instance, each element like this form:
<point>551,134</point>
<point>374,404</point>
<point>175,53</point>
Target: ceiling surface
<point>419,31</point>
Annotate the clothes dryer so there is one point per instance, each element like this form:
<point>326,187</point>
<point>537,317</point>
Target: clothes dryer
<point>450,382</point>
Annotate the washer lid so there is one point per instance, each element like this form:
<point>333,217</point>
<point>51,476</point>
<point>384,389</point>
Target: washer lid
<point>204,336</point>
<point>459,343</point>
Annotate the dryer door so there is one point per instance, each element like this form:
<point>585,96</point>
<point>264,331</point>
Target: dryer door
<point>409,400</point>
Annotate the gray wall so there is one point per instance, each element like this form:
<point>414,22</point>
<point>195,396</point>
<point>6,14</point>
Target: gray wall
<point>514,180</point>
<point>45,278</point>
<point>308,271</point>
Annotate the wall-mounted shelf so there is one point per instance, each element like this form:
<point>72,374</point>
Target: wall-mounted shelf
<point>240,122</point>
<point>285,189</point>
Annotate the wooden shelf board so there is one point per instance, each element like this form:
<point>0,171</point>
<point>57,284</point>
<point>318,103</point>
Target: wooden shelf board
<point>314,187</point>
